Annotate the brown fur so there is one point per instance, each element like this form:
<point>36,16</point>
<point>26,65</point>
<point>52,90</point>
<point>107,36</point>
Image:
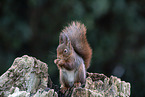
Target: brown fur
<point>77,34</point>
<point>73,55</point>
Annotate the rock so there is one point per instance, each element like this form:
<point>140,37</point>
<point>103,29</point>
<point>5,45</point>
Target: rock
<point>28,77</point>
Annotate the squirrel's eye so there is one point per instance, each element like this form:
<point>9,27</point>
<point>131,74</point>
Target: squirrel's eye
<point>65,50</point>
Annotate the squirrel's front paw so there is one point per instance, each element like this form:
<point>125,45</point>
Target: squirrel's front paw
<point>59,62</point>
<point>56,61</point>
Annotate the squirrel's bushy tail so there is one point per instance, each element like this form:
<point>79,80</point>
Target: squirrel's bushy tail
<point>77,34</point>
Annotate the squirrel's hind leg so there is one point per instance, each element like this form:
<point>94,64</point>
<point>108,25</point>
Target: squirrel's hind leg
<point>81,76</point>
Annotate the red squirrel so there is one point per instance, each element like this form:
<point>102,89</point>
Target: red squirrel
<point>73,55</point>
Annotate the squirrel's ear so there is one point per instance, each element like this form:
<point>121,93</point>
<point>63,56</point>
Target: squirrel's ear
<point>69,44</point>
<point>61,40</point>
<point>67,41</point>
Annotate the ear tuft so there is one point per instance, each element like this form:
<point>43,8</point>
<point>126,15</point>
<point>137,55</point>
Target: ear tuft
<point>61,40</point>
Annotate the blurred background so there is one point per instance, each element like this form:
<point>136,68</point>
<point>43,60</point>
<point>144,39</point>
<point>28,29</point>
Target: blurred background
<point>116,33</point>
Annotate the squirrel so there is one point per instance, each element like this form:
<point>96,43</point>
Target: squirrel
<point>73,55</point>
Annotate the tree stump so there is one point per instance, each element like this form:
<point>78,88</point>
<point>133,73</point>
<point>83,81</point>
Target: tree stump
<point>28,77</point>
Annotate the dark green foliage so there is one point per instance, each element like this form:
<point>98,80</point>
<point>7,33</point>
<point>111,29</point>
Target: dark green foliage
<point>116,33</point>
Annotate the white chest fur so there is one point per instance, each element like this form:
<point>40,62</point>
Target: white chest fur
<point>69,76</point>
